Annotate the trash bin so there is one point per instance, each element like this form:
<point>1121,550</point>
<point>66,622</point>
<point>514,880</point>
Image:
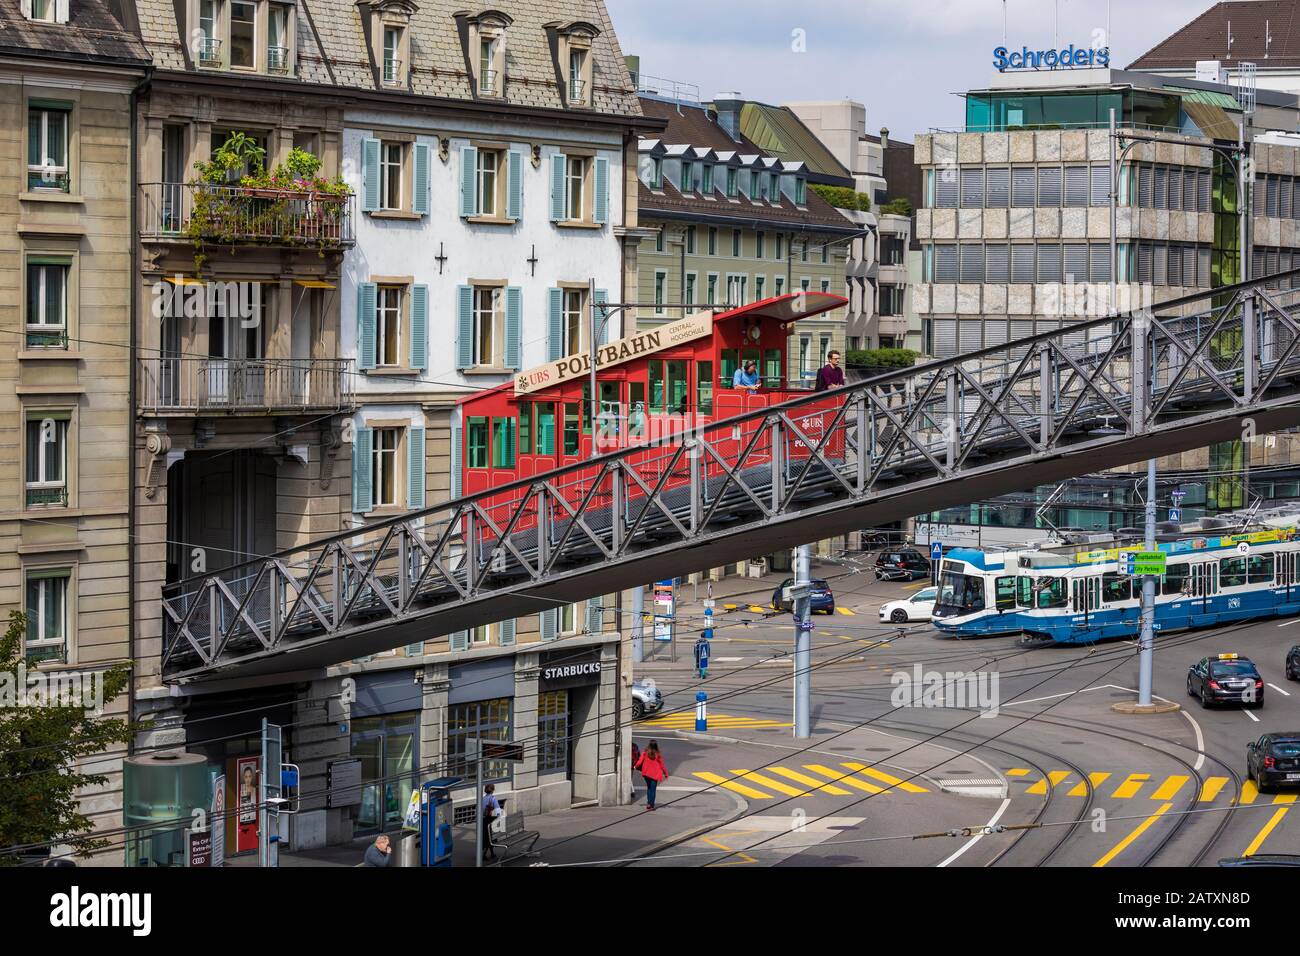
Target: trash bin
<point>406,849</point>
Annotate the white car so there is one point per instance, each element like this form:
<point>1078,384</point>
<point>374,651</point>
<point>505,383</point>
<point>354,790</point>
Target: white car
<point>918,607</point>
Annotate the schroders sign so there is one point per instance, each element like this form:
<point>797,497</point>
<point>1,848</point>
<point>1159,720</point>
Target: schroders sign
<point>624,350</point>
<point>1067,58</point>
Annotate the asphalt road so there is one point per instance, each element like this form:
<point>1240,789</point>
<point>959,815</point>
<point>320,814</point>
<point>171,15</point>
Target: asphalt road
<point>1075,783</point>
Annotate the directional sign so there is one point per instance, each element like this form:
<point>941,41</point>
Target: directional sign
<point>1126,563</point>
<point>1149,562</point>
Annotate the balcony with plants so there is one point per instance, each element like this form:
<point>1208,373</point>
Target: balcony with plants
<point>233,201</point>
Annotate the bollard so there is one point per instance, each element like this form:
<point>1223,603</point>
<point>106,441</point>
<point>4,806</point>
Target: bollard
<point>701,715</point>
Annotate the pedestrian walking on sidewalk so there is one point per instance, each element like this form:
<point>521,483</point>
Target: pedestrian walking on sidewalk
<point>653,771</point>
<point>491,810</point>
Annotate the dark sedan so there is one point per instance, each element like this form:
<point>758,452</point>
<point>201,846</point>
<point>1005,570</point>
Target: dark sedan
<point>1226,679</point>
<point>1274,761</point>
<point>820,596</point>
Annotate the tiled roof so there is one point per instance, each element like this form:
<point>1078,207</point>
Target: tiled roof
<point>341,56</point>
<point>818,214</point>
<point>1206,37</point>
<point>689,123</point>
<point>95,31</point>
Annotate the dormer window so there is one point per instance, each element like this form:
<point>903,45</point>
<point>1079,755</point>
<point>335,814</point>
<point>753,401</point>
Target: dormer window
<point>209,52</point>
<point>573,60</point>
<point>688,178</point>
<point>42,10</point>
<point>487,66</point>
<point>657,173</point>
<point>801,192</point>
<point>277,39</point>
<point>757,191</point>
<point>706,183</point>
<point>485,49</point>
<point>733,182</point>
<point>243,35</point>
<point>578,75</point>
<point>392,59</point>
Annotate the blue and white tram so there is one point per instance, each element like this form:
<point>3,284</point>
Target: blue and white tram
<point>1071,595</point>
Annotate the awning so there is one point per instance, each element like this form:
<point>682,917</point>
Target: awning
<point>1209,97</point>
<point>788,307</point>
<point>183,280</point>
<point>1212,120</point>
<point>314,284</point>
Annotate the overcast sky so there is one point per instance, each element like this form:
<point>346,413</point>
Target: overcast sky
<point>903,58</point>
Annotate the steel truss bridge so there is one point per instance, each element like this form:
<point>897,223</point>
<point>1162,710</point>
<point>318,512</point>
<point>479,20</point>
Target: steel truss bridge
<point>1097,394</point>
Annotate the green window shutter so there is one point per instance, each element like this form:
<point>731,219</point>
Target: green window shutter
<point>455,461</point>
<point>601,211</point>
<point>415,469</point>
<point>558,164</point>
<point>554,324</point>
<point>602,296</point>
<point>459,641</point>
<point>595,613</point>
<point>366,293</point>
<point>420,187</point>
<point>515,185</point>
<point>514,326</point>
<point>362,442</point>
<point>464,326</point>
<point>507,632</point>
<point>549,624</point>
<point>419,326</point>
<point>369,175</point>
<point>468,179</point>
<point>415,650</point>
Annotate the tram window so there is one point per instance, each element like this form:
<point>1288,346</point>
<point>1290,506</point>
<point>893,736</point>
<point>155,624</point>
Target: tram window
<point>609,403</point>
<point>586,404</point>
<point>544,428</point>
<point>572,428</point>
<point>678,387</point>
<point>656,386</point>
<point>1259,568</point>
<point>1175,579</point>
<point>730,362</point>
<point>772,365</point>
<point>636,410</point>
<point>476,442</point>
<point>1232,572</point>
<point>704,388</point>
<point>1115,587</point>
<point>503,443</point>
<point>1025,591</point>
<point>1004,590</point>
<point>1053,593</point>
<point>525,414</point>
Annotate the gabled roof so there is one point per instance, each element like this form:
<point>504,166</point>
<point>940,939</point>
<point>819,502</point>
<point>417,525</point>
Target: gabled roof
<point>1206,37</point>
<point>333,50</point>
<point>691,123</point>
<point>97,31</point>
<point>778,132</point>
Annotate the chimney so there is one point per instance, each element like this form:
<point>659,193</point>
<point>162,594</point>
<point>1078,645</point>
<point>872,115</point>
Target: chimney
<point>884,137</point>
<point>728,106</point>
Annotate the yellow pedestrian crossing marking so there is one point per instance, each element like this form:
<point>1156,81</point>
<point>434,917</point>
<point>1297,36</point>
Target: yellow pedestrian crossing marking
<point>1056,776</point>
<point>809,781</point>
<point>881,775</point>
<point>1130,786</point>
<point>1095,780</point>
<point>739,788</point>
<point>755,609</point>
<point>771,784</point>
<point>1249,793</point>
<point>1256,843</point>
<point>845,611</point>
<point>1141,828</point>
<point>844,778</point>
<point>1170,787</point>
<point>685,720</point>
<point>1018,772</point>
<point>1210,789</point>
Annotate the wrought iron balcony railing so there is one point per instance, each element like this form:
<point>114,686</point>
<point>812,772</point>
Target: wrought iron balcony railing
<point>209,52</point>
<point>277,59</point>
<point>192,385</point>
<point>238,215</point>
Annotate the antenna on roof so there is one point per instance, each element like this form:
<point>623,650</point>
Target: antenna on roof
<point>1229,56</point>
<point>1246,87</point>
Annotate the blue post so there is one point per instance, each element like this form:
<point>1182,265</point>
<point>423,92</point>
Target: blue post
<point>701,713</point>
<point>702,658</point>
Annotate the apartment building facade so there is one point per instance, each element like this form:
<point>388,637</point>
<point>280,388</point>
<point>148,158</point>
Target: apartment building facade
<point>392,207</point>
<point>69,73</point>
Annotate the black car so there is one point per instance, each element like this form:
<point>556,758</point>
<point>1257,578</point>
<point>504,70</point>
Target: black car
<point>820,597</point>
<point>902,564</point>
<point>1226,679</point>
<point>1264,859</point>
<point>1293,663</point>
<point>1274,760</point>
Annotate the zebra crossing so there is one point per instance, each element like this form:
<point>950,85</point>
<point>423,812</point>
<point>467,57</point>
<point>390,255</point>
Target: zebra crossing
<point>685,720</point>
<point>1128,786</point>
<point>845,779</point>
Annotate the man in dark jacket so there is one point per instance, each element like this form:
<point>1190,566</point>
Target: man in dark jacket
<point>830,375</point>
<point>378,853</point>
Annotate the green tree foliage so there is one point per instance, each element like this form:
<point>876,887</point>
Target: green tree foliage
<point>896,207</point>
<point>39,747</point>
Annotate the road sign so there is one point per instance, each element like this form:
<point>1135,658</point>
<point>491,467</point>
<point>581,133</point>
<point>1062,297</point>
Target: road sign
<point>1175,514</point>
<point>1149,562</point>
<point>1126,563</point>
<point>936,550</point>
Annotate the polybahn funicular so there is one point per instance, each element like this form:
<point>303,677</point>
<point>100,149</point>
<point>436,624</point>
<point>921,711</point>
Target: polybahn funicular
<point>658,387</point>
<point>1079,593</point>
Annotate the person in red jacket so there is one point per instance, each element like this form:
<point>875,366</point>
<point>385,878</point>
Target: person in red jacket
<point>653,771</point>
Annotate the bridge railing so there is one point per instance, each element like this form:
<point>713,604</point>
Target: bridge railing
<point>1120,376</point>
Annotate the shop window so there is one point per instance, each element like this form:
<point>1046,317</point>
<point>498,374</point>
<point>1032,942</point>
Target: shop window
<point>388,748</point>
<point>486,719</point>
<point>553,731</point>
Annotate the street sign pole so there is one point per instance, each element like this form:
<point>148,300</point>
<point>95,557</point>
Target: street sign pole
<point>802,643</point>
<point>1147,640</point>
